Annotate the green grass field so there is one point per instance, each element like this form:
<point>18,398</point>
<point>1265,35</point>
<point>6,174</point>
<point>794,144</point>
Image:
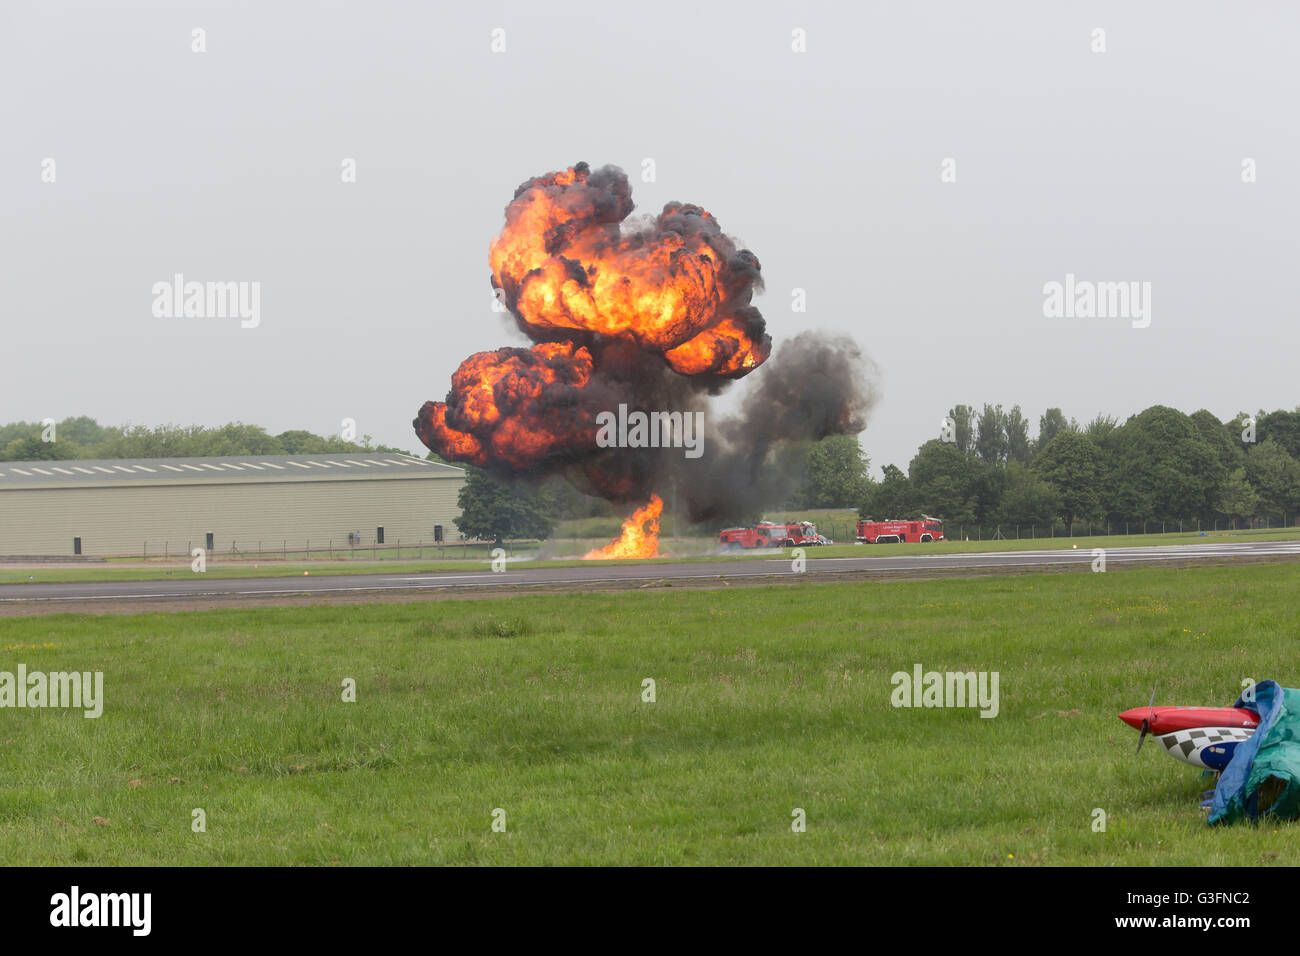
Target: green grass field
<point>768,699</point>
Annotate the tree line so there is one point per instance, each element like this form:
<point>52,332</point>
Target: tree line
<point>1161,465</point>
<point>83,438</point>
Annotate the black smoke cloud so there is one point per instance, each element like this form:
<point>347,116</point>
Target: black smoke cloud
<point>815,385</point>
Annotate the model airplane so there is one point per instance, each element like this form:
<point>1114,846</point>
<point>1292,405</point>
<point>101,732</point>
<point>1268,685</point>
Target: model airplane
<point>1253,748</point>
<point>1201,736</point>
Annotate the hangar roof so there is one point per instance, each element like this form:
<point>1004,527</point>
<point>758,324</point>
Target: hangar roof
<point>227,470</point>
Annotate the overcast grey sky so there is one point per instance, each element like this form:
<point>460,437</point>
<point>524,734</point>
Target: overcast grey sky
<point>226,165</point>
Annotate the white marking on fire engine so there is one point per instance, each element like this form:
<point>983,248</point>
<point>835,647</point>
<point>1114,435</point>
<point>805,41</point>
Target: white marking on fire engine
<point>639,429</point>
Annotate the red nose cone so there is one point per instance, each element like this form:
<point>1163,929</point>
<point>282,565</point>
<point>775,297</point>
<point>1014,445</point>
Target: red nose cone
<point>1135,717</point>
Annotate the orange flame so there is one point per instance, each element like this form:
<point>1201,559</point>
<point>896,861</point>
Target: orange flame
<point>520,401</point>
<point>725,349</point>
<point>603,297</point>
<point>565,267</point>
<point>640,538</point>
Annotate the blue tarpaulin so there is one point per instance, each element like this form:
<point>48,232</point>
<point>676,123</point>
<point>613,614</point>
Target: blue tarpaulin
<point>1263,777</point>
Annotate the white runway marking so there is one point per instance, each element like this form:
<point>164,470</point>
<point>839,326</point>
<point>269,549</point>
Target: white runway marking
<point>448,577</point>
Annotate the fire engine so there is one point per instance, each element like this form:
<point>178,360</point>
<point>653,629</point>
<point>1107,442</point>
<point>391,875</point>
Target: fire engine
<point>897,532</point>
<point>767,534</point>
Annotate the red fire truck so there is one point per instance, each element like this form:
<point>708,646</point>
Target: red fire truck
<point>897,532</point>
<point>767,534</point>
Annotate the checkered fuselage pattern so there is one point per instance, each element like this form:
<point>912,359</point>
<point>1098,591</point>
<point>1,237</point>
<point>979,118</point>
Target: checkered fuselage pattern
<point>1208,747</point>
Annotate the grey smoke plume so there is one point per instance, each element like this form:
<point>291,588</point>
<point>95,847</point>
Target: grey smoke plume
<point>815,385</point>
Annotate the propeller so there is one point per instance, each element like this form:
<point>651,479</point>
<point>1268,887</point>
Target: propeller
<point>1146,721</point>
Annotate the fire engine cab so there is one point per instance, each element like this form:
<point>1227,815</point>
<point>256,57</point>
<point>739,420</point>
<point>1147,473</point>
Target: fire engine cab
<point>898,532</point>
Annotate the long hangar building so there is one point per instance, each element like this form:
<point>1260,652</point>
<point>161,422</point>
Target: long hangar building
<point>169,505</point>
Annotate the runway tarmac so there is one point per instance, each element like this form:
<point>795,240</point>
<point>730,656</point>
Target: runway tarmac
<point>518,574</point>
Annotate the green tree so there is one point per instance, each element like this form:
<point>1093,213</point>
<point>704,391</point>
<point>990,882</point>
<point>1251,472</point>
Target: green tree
<point>137,441</point>
<point>1240,500</point>
<point>1283,427</point>
<point>837,473</point>
<point>1018,444</point>
<point>18,430</point>
<point>32,448</point>
<point>1050,424</point>
<point>1027,500</point>
<point>83,437</point>
<point>988,482</point>
<point>1275,475</point>
<point>1071,464</point>
<point>946,482</point>
<point>235,438</point>
<point>892,497</point>
<point>1163,469</point>
<point>300,442</point>
<point>963,418</point>
<point>1100,428</point>
<point>991,444</point>
<point>946,499</point>
<point>82,430</point>
<point>1224,439</point>
<point>493,508</point>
